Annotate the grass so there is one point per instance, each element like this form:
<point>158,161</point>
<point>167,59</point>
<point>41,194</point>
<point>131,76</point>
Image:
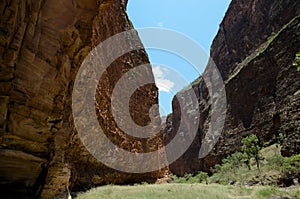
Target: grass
<point>185,191</point>
<point>188,186</point>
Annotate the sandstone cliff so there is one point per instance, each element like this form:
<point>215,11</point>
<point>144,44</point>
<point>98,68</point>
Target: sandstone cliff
<point>255,51</point>
<point>42,45</point>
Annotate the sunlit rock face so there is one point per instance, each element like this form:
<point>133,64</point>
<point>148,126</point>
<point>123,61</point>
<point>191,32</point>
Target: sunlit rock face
<point>255,51</point>
<point>42,45</point>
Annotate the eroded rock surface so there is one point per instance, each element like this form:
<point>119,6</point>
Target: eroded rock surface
<point>42,45</point>
<point>255,51</point>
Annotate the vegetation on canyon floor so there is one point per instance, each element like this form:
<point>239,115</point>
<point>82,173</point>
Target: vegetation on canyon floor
<point>252,173</point>
<point>269,168</point>
<point>189,191</point>
<point>274,170</point>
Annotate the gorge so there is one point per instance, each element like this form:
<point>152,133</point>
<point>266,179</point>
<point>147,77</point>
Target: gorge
<point>44,42</point>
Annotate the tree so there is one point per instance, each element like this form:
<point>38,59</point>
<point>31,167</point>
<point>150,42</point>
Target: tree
<point>251,149</point>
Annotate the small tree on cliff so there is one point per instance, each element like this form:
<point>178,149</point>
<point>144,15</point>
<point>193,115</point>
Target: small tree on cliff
<point>251,149</point>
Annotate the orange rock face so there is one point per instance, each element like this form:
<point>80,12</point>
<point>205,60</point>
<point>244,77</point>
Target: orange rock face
<point>42,45</point>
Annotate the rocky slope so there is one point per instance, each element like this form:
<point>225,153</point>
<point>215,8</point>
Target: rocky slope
<point>42,45</point>
<point>255,51</point>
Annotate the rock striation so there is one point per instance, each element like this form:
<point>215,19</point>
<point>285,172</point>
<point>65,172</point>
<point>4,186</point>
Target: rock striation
<point>42,45</point>
<point>256,52</point>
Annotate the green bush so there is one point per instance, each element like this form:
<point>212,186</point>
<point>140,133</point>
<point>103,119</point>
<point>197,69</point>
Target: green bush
<point>198,178</point>
<point>234,161</point>
<point>221,175</point>
<point>202,177</point>
<point>291,166</point>
<point>225,173</point>
<point>177,179</point>
<point>190,178</point>
<point>275,161</point>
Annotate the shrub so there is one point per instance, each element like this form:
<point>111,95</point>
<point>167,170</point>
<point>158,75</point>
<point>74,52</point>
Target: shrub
<point>190,178</point>
<point>251,149</point>
<point>291,166</point>
<point>198,178</point>
<point>202,177</point>
<point>225,173</point>
<point>275,161</point>
<point>234,161</point>
<point>177,179</point>
<point>221,174</point>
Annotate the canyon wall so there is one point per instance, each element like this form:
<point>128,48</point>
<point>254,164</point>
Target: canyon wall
<point>42,45</point>
<point>255,51</point>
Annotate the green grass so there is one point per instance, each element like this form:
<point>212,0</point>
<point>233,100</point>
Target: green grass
<point>185,191</point>
<point>188,187</point>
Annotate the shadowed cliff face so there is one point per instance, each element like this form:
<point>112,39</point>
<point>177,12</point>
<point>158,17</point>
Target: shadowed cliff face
<point>42,45</point>
<point>246,25</point>
<point>254,50</point>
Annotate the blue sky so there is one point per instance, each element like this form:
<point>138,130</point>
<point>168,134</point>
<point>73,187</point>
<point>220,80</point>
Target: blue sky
<point>196,19</point>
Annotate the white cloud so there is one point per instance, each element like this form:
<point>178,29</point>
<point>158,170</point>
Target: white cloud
<point>160,24</point>
<point>162,83</point>
<point>157,71</point>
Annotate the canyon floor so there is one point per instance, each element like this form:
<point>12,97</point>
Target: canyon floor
<point>241,182</point>
<point>193,191</point>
